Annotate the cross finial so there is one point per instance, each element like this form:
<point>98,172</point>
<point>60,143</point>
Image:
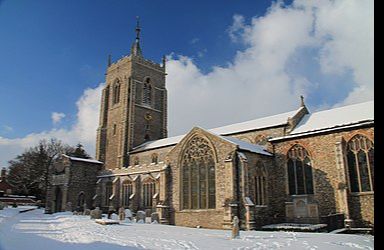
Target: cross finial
<point>138,29</point>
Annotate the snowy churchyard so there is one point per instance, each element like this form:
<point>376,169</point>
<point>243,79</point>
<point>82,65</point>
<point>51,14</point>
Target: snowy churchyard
<point>36,230</point>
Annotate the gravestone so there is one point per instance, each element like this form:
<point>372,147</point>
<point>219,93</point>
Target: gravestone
<point>155,218</point>
<point>128,214</point>
<point>87,212</point>
<point>140,217</point>
<point>121,213</point>
<point>114,216</point>
<point>68,206</point>
<point>235,228</point>
<point>96,213</point>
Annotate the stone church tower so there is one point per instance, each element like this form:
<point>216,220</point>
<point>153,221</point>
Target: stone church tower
<point>133,106</point>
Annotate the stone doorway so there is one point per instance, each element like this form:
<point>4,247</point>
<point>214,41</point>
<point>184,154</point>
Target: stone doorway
<point>80,202</point>
<point>58,200</point>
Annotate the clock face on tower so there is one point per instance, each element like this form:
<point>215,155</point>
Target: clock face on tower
<point>148,116</point>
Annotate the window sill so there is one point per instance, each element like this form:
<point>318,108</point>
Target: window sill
<point>197,210</point>
<point>261,206</point>
<point>363,193</point>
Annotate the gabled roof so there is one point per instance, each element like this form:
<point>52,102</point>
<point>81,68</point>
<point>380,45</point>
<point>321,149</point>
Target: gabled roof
<point>260,123</point>
<point>341,117</point>
<point>82,159</point>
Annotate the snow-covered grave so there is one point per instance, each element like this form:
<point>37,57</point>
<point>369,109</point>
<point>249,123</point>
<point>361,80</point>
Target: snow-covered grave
<point>295,227</point>
<point>36,230</point>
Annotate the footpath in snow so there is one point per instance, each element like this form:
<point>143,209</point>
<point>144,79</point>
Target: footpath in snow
<point>36,230</point>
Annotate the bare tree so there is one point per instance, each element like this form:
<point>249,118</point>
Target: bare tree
<point>28,172</point>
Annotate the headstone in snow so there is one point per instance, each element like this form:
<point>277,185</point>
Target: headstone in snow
<point>128,214</point>
<point>235,228</point>
<point>154,217</point>
<point>114,216</point>
<point>96,213</point>
<point>2,205</point>
<point>68,206</point>
<point>121,213</point>
<point>87,212</point>
<point>140,216</point>
<point>111,210</point>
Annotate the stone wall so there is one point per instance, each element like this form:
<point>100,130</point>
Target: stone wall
<point>328,185</point>
<point>145,157</point>
<point>83,177</point>
<point>224,183</point>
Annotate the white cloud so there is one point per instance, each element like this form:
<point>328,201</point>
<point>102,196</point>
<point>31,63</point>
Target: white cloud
<point>7,128</point>
<point>84,130</point>
<point>259,80</point>
<point>56,117</point>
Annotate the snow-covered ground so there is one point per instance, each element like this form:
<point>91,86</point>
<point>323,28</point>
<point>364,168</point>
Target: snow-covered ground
<point>36,230</point>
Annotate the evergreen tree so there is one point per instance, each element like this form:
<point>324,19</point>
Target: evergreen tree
<point>79,152</point>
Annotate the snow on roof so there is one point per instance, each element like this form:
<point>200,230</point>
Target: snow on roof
<point>259,123</point>
<point>265,122</point>
<point>82,159</point>
<point>336,117</point>
<point>248,146</point>
<point>159,143</point>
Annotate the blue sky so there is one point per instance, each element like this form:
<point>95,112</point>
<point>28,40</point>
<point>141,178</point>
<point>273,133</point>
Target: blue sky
<point>51,52</point>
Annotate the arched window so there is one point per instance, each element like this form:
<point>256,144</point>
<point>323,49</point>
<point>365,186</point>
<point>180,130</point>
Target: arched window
<point>147,92</point>
<point>149,190</point>
<point>80,200</point>
<point>360,158</point>
<point>108,193</point>
<point>127,192</point>
<point>299,171</point>
<point>116,92</point>
<point>155,158</point>
<point>198,175</point>
<point>260,187</point>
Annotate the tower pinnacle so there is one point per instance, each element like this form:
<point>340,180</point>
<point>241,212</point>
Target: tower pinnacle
<point>135,49</point>
<point>302,104</point>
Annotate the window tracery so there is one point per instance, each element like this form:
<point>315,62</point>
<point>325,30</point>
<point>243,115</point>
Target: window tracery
<point>198,175</point>
<point>299,171</point>
<point>360,159</point>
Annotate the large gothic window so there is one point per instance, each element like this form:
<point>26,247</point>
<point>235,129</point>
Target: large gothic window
<point>116,92</point>
<point>127,192</point>
<point>149,190</point>
<point>147,92</point>
<point>299,171</point>
<point>260,187</point>
<point>360,158</point>
<point>198,175</point>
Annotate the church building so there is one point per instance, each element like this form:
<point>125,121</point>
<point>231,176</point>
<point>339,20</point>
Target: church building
<point>297,166</point>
